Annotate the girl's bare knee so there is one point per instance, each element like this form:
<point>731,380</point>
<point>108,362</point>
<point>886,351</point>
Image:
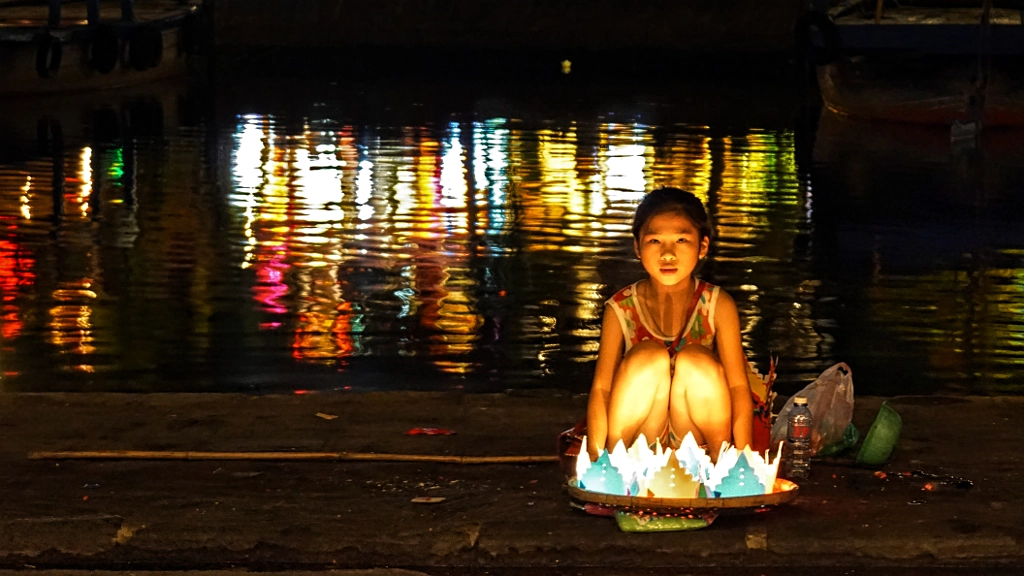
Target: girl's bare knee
<point>647,348</point>
<point>640,386</point>
<point>647,359</point>
<point>698,373</point>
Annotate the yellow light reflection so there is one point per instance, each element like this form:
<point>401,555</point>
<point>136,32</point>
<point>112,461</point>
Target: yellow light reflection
<point>426,168</point>
<point>25,200</point>
<point>328,327</point>
<point>684,161</point>
<point>559,182</point>
<point>70,321</point>
<point>966,322</point>
<point>760,170</point>
<point>85,180</point>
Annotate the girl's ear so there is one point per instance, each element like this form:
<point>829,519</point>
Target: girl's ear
<point>636,247</point>
<point>705,243</point>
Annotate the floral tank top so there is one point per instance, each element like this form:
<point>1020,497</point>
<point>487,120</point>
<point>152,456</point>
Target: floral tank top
<point>698,329</point>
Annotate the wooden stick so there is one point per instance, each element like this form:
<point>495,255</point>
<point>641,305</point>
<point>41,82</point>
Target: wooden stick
<point>878,11</point>
<point>295,456</point>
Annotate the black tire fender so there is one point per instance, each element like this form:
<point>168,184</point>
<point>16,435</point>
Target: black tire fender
<point>49,52</point>
<point>104,48</point>
<point>144,47</point>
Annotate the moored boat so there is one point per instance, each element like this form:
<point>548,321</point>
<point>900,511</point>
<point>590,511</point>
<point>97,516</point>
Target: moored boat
<point>941,63</point>
<point>50,46</point>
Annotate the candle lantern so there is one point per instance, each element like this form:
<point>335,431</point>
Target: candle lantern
<point>645,471</point>
<point>673,480</point>
<point>602,477</point>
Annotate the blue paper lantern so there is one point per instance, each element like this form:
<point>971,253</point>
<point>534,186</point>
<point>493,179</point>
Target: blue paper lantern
<point>740,481</point>
<point>603,477</point>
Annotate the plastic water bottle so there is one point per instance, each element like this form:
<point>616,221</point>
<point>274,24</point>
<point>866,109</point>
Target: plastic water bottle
<point>798,440</point>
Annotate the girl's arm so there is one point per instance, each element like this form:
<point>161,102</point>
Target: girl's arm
<point>734,362</point>
<point>608,357</point>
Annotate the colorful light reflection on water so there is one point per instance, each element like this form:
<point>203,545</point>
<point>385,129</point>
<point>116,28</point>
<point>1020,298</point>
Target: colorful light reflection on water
<point>431,212</point>
<point>277,252</point>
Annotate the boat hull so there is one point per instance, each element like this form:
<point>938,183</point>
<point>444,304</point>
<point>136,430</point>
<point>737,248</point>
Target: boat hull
<point>921,89</point>
<point>920,64</point>
<point>38,59</point>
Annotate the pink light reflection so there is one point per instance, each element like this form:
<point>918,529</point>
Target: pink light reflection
<point>269,286</point>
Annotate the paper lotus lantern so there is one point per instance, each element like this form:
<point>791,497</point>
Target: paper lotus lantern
<point>672,480</point>
<point>738,480</point>
<point>582,460</point>
<point>602,477</point>
<point>642,454</point>
<point>643,471</point>
<point>742,473</point>
<point>694,458</point>
<point>623,461</point>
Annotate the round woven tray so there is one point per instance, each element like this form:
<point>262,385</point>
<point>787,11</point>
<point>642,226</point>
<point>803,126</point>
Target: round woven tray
<point>785,491</point>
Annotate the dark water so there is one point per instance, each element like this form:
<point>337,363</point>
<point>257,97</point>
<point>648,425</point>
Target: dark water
<point>307,234</point>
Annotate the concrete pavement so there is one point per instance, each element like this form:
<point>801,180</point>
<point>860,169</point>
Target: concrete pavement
<point>360,515</point>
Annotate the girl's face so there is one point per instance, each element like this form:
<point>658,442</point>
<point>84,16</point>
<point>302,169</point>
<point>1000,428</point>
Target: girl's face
<point>669,247</point>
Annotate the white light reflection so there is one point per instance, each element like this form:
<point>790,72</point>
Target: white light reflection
<point>248,169</point>
<point>364,190</point>
<point>319,189</point>
<point>249,178</point>
<point>623,166</point>
<point>453,172</point>
<point>809,203</point>
<point>364,182</point>
<point>406,295</point>
<point>491,142</point>
<point>497,159</point>
<point>480,156</point>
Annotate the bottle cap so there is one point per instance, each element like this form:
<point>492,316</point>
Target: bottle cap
<point>800,401</point>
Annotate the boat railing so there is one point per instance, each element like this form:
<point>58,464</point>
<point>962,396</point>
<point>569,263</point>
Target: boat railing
<point>845,7</point>
<point>92,9</point>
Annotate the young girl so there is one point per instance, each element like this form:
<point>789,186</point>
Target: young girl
<point>670,360</point>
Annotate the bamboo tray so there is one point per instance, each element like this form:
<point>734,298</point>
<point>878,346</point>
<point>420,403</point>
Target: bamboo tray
<point>785,491</point>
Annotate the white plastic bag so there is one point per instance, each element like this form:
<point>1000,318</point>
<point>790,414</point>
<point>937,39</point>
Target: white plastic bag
<point>830,399</point>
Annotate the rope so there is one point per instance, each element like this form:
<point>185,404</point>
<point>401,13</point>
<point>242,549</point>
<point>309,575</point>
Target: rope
<point>290,456</point>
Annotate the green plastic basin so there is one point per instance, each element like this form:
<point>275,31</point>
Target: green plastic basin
<point>881,438</point>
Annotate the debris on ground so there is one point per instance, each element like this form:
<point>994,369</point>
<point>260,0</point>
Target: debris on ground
<point>429,432</point>
<point>428,499</point>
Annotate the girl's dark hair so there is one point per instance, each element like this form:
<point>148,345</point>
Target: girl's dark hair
<point>667,199</point>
